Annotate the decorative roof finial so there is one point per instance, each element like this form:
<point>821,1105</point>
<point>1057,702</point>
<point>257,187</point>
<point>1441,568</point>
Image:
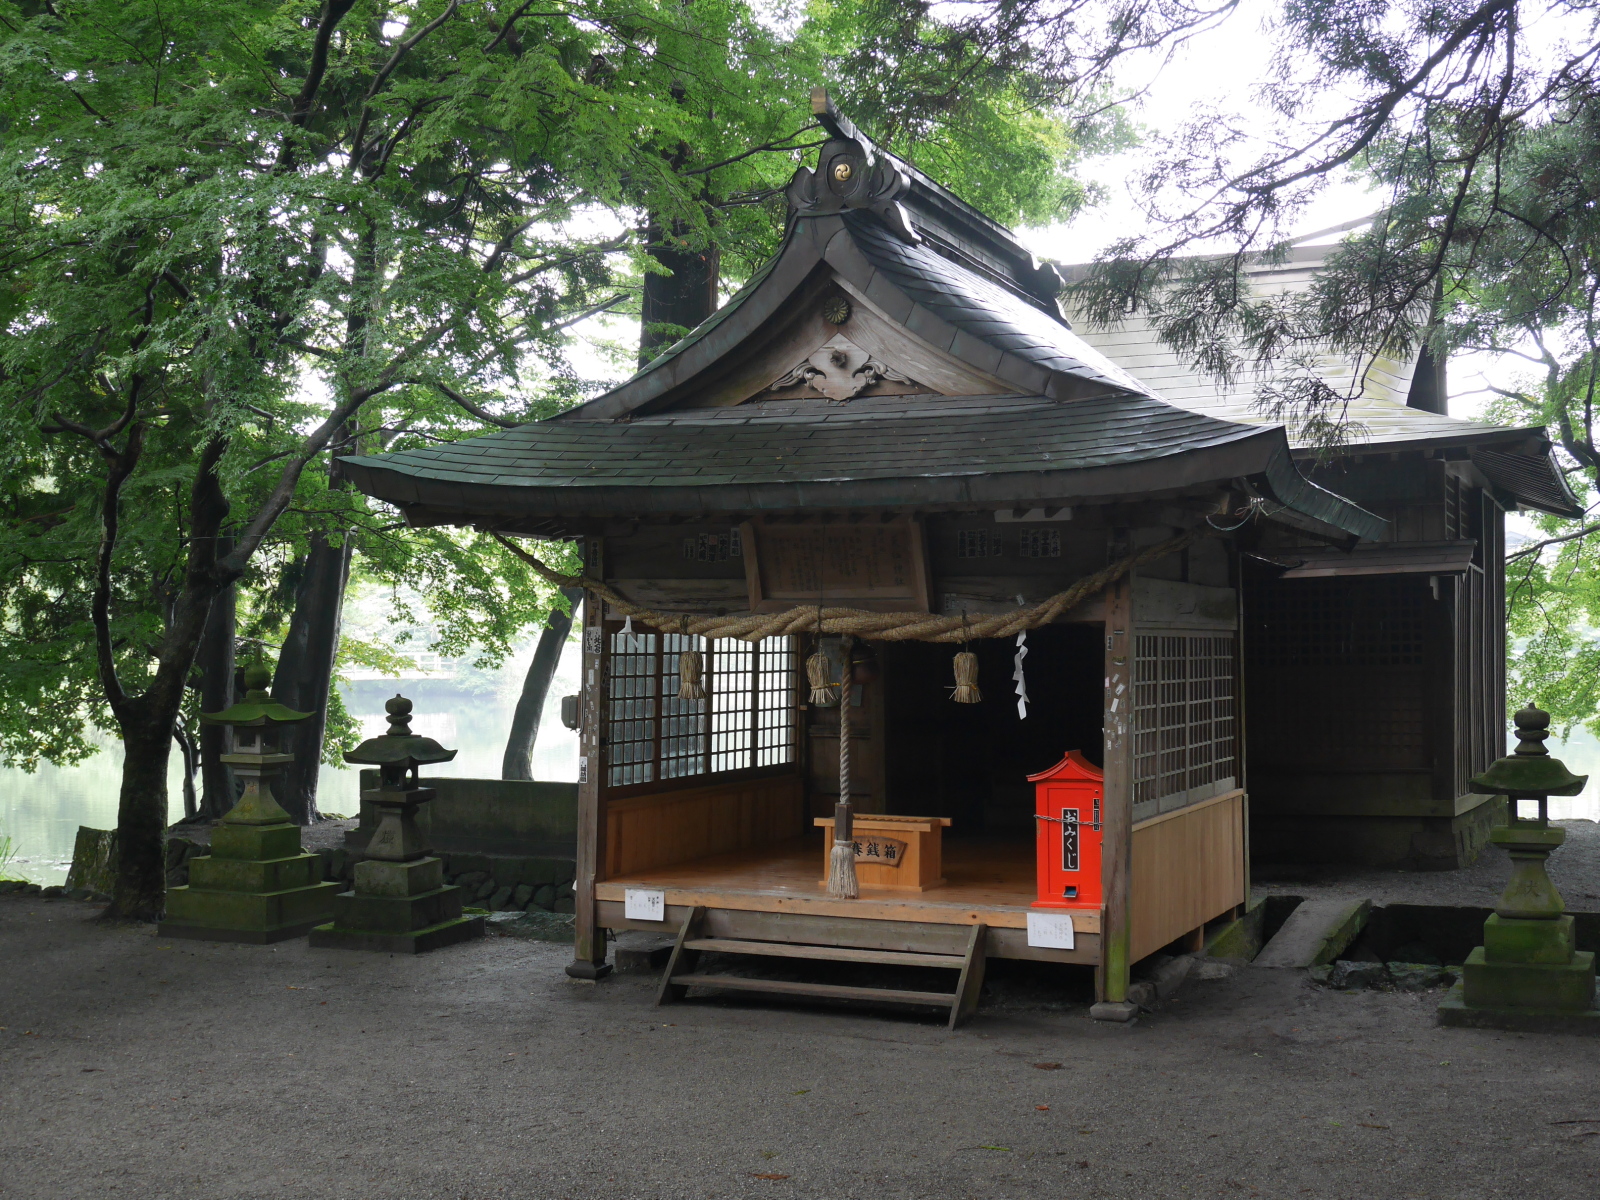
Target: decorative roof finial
<point>399,710</point>
<point>1529,772</point>
<point>850,174</point>
<point>1533,726</point>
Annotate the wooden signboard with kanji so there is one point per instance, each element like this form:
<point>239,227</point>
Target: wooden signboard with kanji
<point>869,563</point>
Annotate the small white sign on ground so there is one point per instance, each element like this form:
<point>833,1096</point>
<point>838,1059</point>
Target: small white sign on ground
<point>650,904</point>
<point>1050,930</point>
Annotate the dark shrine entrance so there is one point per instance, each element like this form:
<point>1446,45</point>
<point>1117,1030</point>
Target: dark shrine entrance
<point>970,762</point>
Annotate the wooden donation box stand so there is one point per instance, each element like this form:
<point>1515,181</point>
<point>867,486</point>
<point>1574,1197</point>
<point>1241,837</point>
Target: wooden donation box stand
<point>1067,813</point>
<point>902,853</point>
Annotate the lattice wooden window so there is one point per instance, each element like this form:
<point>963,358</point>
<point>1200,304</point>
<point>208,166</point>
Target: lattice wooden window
<point>1184,719</point>
<point>631,716</point>
<point>747,719</point>
<point>1339,674</point>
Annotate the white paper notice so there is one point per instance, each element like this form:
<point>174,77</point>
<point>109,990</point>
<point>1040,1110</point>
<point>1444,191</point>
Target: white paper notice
<point>1050,930</point>
<point>648,904</point>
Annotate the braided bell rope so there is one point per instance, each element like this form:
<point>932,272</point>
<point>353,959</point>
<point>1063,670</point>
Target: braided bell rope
<point>878,626</point>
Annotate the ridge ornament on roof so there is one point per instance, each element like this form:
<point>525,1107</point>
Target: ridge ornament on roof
<point>850,174</point>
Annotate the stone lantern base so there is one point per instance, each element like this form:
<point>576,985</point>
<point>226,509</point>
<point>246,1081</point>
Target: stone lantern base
<point>1455,1011</point>
<point>398,907</point>
<point>255,886</point>
<point>1527,976</point>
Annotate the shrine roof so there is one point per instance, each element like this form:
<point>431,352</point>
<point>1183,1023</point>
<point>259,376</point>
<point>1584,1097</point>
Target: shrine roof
<point>1005,402</point>
<point>1518,462</point>
<point>894,450</point>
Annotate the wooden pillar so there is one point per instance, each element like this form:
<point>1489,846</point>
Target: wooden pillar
<point>1116,853</point>
<point>589,958</point>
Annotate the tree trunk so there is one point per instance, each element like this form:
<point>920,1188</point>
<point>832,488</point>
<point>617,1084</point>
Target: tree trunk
<point>518,761</point>
<point>141,892</point>
<point>217,666</point>
<point>685,297</point>
<point>305,670</point>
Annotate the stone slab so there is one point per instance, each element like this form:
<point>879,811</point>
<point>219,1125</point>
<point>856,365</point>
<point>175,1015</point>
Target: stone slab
<point>249,937</point>
<point>375,877</point>
<point>435,937</point>
<point>1240,939</point>
<point>245,912</point>
<point>1121,1012</point>
<point>638,952</point>
<point>1564,987</point>
<point>493,816</point>
<point>399,915</point>
<point>1518,940</point>
<point>1455,1012</point>
<point>534,924</point>
<point>255,842</point>
<point>1316,932</point>
<point>210,872</point>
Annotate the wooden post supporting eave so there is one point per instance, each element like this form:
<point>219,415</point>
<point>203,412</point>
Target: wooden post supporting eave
<point>589,957</point>
<point>1116,861</point>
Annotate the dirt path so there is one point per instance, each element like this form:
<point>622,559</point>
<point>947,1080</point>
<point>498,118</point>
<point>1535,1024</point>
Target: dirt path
<point>135,1066</point>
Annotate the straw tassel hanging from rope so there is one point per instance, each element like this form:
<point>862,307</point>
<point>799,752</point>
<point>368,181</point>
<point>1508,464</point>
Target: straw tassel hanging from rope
<point>966,666</point>
<point>967,692</point>
<point>822,693</point>
<point>691,670</point>
<point>842,883</point>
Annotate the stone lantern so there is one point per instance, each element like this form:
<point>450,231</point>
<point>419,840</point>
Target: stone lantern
<point>257,884</point>
<point>400,902</point>
<point>1528,974</point>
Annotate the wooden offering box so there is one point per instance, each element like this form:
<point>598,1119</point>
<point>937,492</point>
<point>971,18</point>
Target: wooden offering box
<point>902,854</point>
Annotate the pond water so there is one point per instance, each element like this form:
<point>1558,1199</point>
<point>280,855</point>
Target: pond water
<point>41,812</point>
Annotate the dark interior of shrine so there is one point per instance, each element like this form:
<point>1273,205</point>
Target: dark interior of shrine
<point>971,762</point>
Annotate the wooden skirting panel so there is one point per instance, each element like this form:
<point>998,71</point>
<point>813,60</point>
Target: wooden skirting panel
<point>859,932</point>
<point>654,830</point>
<point>1188,867</point>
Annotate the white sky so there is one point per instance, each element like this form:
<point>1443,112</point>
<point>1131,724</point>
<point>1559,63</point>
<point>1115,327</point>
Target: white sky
<point>1223,69</point>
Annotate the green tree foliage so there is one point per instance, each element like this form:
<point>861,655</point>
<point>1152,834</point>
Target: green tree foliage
<point>244,237</point>
<point>1477,126</point>
<point>212,207</point>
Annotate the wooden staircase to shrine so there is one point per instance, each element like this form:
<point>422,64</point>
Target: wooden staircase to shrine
<point>682,970</point>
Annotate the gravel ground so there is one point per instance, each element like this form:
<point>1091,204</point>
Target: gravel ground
<point>144,1067</point>
<point>1574,868</point>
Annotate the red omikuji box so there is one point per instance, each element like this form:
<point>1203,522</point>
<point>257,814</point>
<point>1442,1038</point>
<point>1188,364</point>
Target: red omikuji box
<point>1067,802</point>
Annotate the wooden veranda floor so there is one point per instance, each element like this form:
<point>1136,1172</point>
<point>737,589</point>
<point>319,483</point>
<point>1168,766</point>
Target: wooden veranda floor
<point>989,882</point>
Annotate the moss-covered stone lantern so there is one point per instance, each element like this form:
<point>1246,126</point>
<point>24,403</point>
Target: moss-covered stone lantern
<point>400,902</point>
<point>1528,974</point>
<point>257,884</point>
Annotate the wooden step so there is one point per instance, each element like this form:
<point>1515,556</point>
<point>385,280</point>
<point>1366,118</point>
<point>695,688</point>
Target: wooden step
<point>829,991</point>
<point>897,958</point>
<point>681,974</point>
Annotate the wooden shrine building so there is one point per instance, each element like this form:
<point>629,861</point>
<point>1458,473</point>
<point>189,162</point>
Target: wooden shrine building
<point>1376,677</point>
<point>893,417</point>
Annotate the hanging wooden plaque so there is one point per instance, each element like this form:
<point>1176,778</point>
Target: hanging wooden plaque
<point>873,564</point>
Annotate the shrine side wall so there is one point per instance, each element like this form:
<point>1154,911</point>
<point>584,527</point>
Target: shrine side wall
<point>1188,867</point>
<point>661,828</point>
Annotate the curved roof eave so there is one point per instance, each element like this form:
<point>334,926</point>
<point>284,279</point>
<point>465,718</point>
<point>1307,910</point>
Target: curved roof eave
<point>1261,456</point>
